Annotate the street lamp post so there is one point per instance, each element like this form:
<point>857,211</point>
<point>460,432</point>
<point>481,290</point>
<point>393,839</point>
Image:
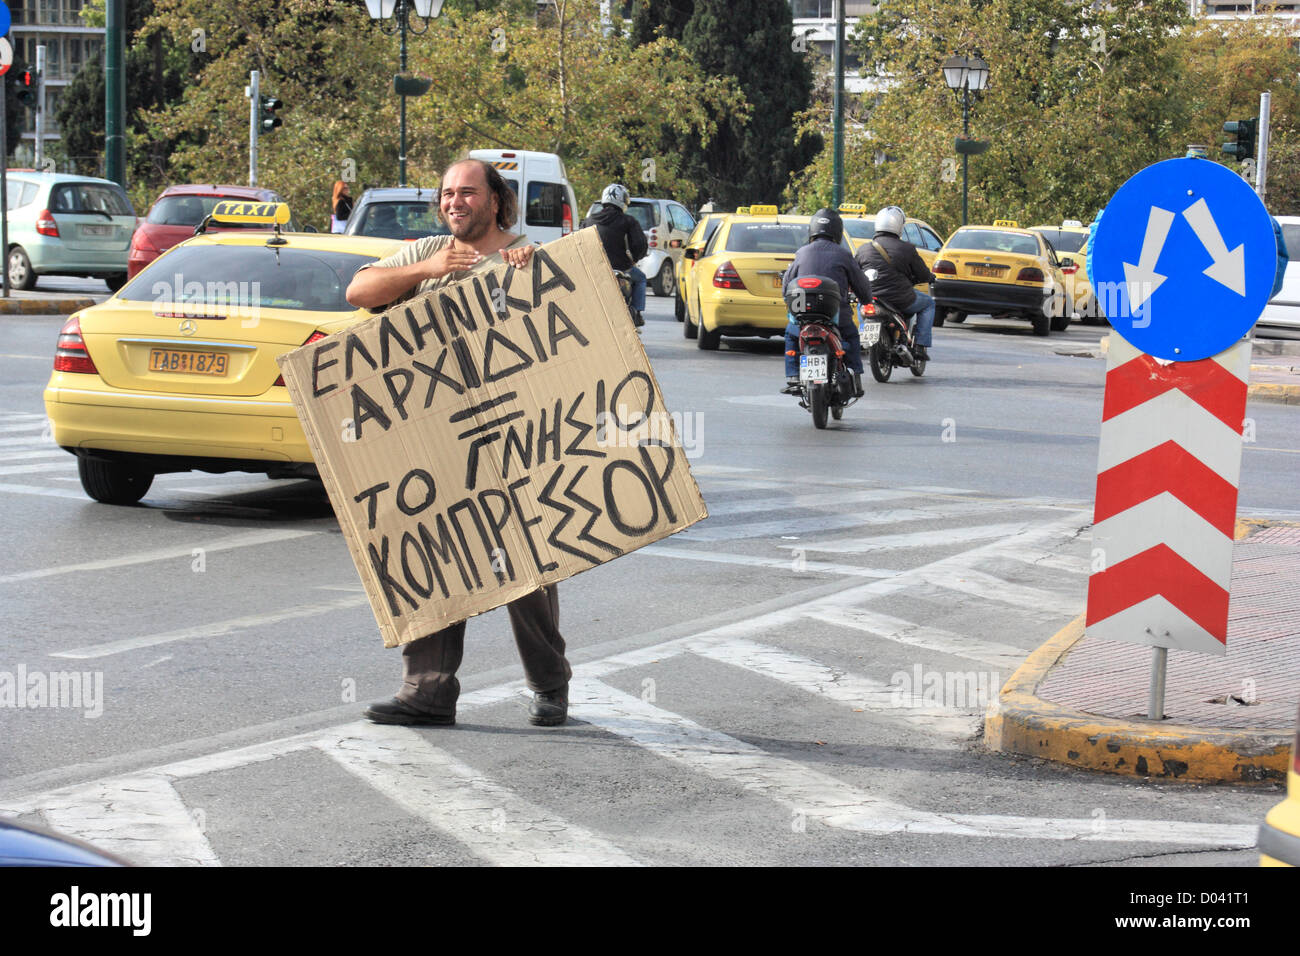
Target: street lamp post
<point>965,73</point>
<point>399,12</point>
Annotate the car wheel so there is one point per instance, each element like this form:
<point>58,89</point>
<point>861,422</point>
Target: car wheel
<point>938,320</point>
<point>679,310</point>
<point>1059,323</point>
<point>1040,322</point>
<point>665,281</point>
<point>21,275</point>
<point>115,281</point>
<point>956,318</point>
<point>708,341</point>
<point>113,482</point>
<point>689,328</point>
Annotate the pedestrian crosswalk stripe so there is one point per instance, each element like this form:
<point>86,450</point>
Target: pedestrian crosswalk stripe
<point>43,492</point>
<point>1004,657</point>
<point>67,464</point>
<point>799,522</point>
<point>49,453</point>
<point>837,804</point>
<point>916,539</point>
<point>140,818</point>
<point>777,564</point>
<point>992,588</point>
<point>481,814</point>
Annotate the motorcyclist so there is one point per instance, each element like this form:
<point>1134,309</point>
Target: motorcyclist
<point>824,255</point>
<point>623,239</point>
<point>899,268</point>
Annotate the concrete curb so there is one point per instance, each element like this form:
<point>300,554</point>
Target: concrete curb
<point>1022,723</point>
<point>63,305</point>
<point>1274,392</point>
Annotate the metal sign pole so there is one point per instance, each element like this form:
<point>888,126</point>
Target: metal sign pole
<point>254,108</point>
<point>1156,695</point>
<point>4,183</point>
<point>1261,162</point>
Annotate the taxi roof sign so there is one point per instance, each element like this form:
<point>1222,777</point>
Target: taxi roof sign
<point>742,210</point>
<point>1006,223</point>
<point>854,208</point>
<point>763,210</point>
<point>1071,224</point>
<point>264,213</point>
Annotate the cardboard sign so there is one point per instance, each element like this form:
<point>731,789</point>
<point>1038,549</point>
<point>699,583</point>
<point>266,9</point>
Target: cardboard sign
<point>499,434</point>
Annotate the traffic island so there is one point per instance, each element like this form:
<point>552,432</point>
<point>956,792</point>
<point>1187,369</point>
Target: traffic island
<point>44,305</point>
<point>1022,722</point>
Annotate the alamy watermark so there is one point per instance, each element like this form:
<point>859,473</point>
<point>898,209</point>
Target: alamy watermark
<point>77,690</point>
<point>631,431</point>
<point>956,690</point>
<point>195,299</point>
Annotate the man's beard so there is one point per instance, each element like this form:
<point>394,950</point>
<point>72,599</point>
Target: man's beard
<point>472,228</point>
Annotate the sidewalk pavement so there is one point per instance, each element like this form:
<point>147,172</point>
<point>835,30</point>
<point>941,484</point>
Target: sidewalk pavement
<point>1231,719</point>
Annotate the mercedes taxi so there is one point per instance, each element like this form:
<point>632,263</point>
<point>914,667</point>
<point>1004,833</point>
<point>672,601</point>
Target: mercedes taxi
<point>734,287</point>
<point>1004,271</point>
<point>1070,243</point>
<point>177,371</point>
<point>860,227</point>
<point>704,229</point>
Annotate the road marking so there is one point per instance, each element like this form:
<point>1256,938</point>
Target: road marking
<point>249,539</point>
<point>842,687</point>
<point>46,492</point>
<point>33,469</point>
<point>981,585</point>
<point>140,818</point>
<point>1005,657</point>
<point>39,358</point>
<point>481,814</point>
<point>778,564</point>
<point>215,629</point>
<point>51,453</point>
<point>35,439</point>
<point>841,805</point>
<point>917,539</point>
<point>802,502</point>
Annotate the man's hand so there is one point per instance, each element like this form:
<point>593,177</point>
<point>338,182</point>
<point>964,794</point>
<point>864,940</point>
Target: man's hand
<point>452,258</point>
<point>519,256</point>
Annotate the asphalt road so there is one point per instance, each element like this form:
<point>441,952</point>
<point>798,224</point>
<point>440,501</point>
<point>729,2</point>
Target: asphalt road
<point>754,690</point>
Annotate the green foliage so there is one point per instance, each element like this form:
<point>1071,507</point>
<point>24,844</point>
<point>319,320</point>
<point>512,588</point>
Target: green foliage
<point>565,87</point>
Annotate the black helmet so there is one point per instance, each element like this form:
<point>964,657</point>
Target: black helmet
<point>826,223</point>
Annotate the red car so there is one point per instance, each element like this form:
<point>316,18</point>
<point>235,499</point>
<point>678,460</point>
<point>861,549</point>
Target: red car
<point>176,212</point>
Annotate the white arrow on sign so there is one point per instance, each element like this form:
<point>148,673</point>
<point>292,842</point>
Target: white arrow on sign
<point>1228,268</point>
<point>1142,279</point>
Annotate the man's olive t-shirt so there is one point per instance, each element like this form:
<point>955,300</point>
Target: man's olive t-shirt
<point>421,249</point>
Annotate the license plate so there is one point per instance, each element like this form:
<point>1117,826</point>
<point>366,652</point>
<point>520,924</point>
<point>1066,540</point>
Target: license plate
<point>992,272</point>
<point>776,282</point>
<point>812,368</point>
<point>869,332</point>
<point>191,363</point>
<point>97,230</point>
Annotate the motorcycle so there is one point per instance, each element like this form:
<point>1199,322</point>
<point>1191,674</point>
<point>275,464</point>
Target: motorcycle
<point>625,287</point>
<point>825,382</point>
<point>889,341</point>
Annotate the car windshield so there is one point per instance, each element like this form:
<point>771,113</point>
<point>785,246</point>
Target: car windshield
<point>643,213</point>
<point>249,276</point>
<point>1063,241</point>
<point>90,199</point>
<point>767,237</point>
<point>992,240</point>
<point>186,210</point>
<point>398,220</point>
<point>860,228</point>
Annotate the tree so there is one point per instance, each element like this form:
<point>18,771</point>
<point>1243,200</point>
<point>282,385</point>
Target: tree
<point>1080,97</point>
<point>566,87</point>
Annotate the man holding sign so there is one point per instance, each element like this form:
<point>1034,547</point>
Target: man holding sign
<point>479,208</point>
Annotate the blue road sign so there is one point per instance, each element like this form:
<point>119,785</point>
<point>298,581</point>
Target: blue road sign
<point>1183,260</point>
<point>5,19</point>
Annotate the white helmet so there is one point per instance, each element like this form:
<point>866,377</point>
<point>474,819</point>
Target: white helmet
<point>615,195</point>
<point>890,219</point>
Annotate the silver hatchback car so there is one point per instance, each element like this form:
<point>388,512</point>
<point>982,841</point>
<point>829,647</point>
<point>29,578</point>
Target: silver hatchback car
<point>63,225</point>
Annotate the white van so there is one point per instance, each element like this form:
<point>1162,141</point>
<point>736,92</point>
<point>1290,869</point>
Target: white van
<point>546,201</point>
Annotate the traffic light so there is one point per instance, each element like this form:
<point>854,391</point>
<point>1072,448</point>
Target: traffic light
<point>266,113</point>
<point>1244,130</point>
<point>27,89</point>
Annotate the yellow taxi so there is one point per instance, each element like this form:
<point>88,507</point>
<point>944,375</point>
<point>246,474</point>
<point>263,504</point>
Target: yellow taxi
<point>735,287</point>
<point>704,229</point>
<point>860,227</point>
<point>1069,240</point>
<point>177,371</point>
<point>1279,835</point>
<point>1004,271</point>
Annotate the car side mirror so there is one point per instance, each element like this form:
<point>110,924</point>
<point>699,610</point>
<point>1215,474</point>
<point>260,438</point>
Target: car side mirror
<point>692,253</point>
<point>674,244</point>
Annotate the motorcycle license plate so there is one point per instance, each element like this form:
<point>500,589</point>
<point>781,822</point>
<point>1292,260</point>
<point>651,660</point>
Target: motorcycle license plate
<point>812,368</point>
<point>869,332</point>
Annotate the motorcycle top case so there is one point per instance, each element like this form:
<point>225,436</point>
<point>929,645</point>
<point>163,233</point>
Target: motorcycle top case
<point>813,297</point>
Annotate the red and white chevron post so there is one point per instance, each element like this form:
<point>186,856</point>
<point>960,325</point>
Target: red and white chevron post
<point>1167,498</point>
